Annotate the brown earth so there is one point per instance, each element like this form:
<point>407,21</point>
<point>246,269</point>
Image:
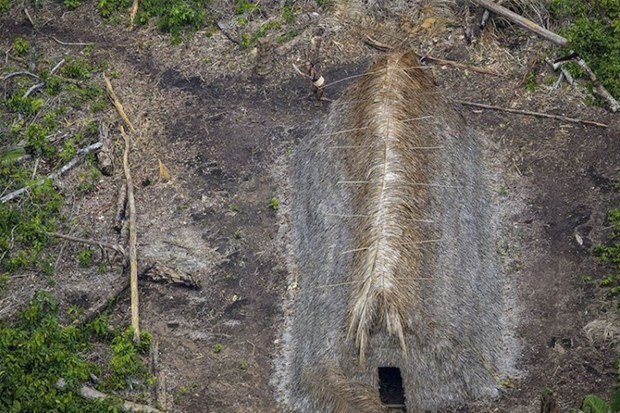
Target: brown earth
<point>226,137</point>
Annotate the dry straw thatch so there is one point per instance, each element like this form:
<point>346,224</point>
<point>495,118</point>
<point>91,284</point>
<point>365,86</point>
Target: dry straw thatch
<point>394,238</point>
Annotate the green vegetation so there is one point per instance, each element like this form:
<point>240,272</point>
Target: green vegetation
<point>34,145</point>
<point>594,33</point>
<point>249,39</point>
<point>72,4</point>
<point>86,257</point>
<point>274,204</point>
<point>611,253</point>
<point>37,351</point>
<point>21,46</point>
<point>175,17</point>
<point>245,7</point>
<point>77,69</point>
<point>217,348</point>
<point>4,6</point>
<point>531,83</point>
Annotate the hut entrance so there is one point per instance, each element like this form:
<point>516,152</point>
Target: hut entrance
<point>391,389</point>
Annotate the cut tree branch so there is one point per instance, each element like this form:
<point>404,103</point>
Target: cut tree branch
<point>134,10</point>
<point>613,103</point>
<point>117,104</point>
<point>133,261</point>
<point>522,21</point>
<point>530,113</point>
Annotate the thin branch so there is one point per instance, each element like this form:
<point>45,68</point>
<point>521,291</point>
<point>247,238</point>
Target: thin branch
<point>70,43</point>
<point>377,45</point>
<point>55,68</point>
<point>600,89</point>
<point>33,88</point>
<point>115,248</point>
<point>452,63</point>
<point>117,103</point>
<point>20,73</point>
<point>530,113</point>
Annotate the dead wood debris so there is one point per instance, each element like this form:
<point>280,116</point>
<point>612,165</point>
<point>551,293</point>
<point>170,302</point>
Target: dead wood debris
<point>161,273</point>
<point>116,248</point>
<point>121,206</point>
<point>91,394</point>
<point>54,175</point>
<point>264,57</point>
<point>530,113</point>
<point>385,47</point>
<point>133,260</point>
<point>598,87</point>
<point>522,21</point>
<point>117,104</point>
<point>118,287</point>
<point>600,90</point>
<point>105,156</point>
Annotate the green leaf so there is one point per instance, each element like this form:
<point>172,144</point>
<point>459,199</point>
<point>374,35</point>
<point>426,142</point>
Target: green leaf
<point>594,404</point>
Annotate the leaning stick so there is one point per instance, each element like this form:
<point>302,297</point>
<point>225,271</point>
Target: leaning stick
<point>133,261</point>
<point>522,21</point>
<point>117,103</point>
<point>530,113</point>
<point>91,394</point>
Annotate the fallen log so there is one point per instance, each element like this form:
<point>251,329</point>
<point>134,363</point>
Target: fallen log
<point>91,394</point>
<point>522,21</point>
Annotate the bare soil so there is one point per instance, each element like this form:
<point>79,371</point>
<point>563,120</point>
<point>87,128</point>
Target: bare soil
<point>226,137</point>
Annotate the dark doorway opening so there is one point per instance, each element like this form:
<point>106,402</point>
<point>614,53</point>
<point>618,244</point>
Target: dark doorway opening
<point>391,389</point>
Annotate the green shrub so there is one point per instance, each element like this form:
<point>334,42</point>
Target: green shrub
<point>36,351</point>
<point>21,46</point>
<point>72,4</point>
<point>77,69</point>
<point>4,6</point>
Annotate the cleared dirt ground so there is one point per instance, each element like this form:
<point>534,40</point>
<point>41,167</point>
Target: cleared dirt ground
<point>226,137</point>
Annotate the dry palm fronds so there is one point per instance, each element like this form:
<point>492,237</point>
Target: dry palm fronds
<point>380,295</point>
<point>335,392</point>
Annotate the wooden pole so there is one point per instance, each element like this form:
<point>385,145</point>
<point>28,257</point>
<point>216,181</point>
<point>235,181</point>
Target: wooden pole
<point>522,21</point>
<point>133,261</point>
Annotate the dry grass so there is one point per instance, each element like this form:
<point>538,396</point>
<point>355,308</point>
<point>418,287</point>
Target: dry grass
<point>335,391</point>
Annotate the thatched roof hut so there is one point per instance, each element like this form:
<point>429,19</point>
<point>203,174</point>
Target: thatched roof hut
<point>393,236</point>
